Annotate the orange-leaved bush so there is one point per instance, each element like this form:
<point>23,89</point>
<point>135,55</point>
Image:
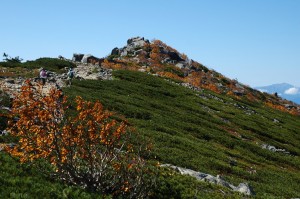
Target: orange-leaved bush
<point>84,145</point>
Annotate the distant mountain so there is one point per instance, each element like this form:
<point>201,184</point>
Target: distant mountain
<point>284,90</point>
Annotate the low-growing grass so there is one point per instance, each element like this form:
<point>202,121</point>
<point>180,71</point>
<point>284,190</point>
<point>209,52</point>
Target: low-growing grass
<point>190,131</point>
<point>26,68</point>
<point>24,181</point>
<point>198,130</point>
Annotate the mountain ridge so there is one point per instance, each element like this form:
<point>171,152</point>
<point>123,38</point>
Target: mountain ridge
<point>158,58</point>
<point>284,90</point>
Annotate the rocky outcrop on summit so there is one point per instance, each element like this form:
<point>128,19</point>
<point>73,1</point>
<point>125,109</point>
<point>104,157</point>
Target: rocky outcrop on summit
<point>148,53</point>
<point>133,45</point>
<point>158,58</point>
<point>90,71</point>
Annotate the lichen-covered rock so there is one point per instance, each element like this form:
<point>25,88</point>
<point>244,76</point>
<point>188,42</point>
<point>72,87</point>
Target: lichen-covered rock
<point>133,47</point>
<point>243,188</point>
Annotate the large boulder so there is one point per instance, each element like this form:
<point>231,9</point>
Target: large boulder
<point>243,188</point>
<point>175,56</point>
<point>133,47</point>
<point>115,51</point>
<point>85,58</point>
<point>94,60</point>
<point>77,57</point>
<point>137,41</point>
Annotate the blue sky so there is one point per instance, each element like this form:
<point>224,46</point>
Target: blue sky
<point>257,41</point>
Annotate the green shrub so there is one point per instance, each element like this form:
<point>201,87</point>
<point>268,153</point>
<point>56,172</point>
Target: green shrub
<point>52,64</point>
<point>10,64</point>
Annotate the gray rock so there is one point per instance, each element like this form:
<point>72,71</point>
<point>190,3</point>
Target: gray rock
<point>275,120</point>
<point>238,93</point>
<point>243,188</point>
<point>10,81</point>
<point>140,51</point>
<point>4,132</point>
<point>85,58</point>
<point>180,65</point>
<point>142,70</point>
<point>5,108</point>
<point>175,56</point>
<point>124,52</point>
<point>133,46</point>
<point>137,41</point>
<point>115,51</point>
<point>77,57</point>
<point>274,149</point>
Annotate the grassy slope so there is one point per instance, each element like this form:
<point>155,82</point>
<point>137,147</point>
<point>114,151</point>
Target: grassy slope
<point>23,181</point>
<point>186,130</point>
<point>205,134</point>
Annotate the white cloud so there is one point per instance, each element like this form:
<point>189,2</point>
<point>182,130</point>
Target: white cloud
<point>292,91</point>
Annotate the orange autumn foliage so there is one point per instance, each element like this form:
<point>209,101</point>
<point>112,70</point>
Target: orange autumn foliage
<point>84,145</point>
<point>212,87</point>
<point>280,107</point>
<point>169,75</point>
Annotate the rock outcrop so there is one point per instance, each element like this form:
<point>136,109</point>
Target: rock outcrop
<point>77,57</point>
<point>86,59</point>
<point>91,71</point>
<point>274,149</point>
<point>243,188</point>
<point>133,44</point>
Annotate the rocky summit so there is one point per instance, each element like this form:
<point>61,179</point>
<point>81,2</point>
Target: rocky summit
<point>158,58</point>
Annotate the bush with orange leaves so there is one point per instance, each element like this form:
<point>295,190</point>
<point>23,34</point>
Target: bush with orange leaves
<point>84,145</point>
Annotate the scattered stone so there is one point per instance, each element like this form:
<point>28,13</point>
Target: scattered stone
<point>275,120</point>
<point>10,81</point>
<point>5,108</point>
<point>180,65</point>
<point>243,188</point>
<point>91,71</point>
<point>4,132</point>
<point>274,149</point>
<point>238,93</point>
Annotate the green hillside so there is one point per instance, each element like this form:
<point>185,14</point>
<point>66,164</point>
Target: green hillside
<point>204,131</point>
<point>199,130</point>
